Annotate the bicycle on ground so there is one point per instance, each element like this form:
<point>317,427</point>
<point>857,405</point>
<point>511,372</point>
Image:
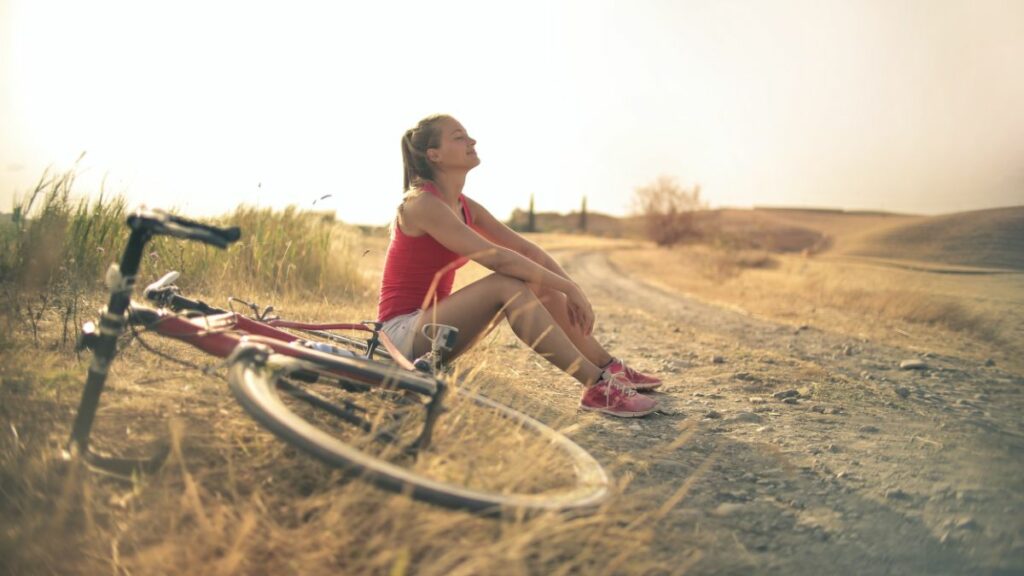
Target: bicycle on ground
<point>353,403</point>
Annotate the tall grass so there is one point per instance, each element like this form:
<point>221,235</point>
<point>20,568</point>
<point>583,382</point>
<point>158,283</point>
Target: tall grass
<point>58,246</point>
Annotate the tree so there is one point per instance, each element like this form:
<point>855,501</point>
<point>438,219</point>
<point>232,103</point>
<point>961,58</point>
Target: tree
<point>583,215</point>
<point>669,210</point>
<point>531,219</point>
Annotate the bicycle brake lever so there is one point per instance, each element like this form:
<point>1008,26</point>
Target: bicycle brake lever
<point>251,306</point>
<point>166,281</point>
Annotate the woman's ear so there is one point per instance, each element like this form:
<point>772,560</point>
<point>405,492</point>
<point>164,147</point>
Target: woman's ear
<point>434,155</point>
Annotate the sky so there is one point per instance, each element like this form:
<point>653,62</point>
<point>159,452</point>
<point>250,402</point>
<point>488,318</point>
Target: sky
<point>908,106</point>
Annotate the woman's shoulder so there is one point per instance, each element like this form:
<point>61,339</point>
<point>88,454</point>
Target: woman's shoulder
<point>418,200</point>
<point>418,210</point>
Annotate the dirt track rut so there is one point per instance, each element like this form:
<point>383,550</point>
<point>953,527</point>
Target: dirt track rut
<point>863,468</point>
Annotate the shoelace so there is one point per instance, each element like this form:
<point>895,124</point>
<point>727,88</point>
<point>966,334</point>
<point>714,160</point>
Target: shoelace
<point>613,382</point>
<point>628,370</point>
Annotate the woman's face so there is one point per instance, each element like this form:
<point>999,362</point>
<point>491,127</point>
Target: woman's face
<point>457,151</point>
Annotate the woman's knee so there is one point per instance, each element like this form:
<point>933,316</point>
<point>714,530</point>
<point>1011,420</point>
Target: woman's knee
<point>546,295</point>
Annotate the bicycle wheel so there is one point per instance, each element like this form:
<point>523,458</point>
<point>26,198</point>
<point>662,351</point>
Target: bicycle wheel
<point>475,460</point>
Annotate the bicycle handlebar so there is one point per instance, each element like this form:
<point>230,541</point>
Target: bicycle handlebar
<point>160,222</point>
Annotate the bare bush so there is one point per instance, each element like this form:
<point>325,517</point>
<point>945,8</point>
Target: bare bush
<point>669,210</point>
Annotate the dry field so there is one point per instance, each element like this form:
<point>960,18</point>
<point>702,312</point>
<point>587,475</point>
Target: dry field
<point>790,441</point>
<point>977,315</point>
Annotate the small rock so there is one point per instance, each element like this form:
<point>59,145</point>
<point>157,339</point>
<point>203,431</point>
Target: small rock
<point>818,408</point>
<point>902,391</point>
<point>832,448</point>
<point>736,495</point>
<point>990,362</point>
<point>913,364</point>
<point>848,350</point>
<point>716,359</point>
<point>745,417</point>
<point>785,394</point>
<point>636,426</point>
<point>791,400</point>
<point>869,429</point>
<point>756,400</point>
<point>726,508</point>
<point>896,494</point>
<point>712,414</point>
<point>967,523</point>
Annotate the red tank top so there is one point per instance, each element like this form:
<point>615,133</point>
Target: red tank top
<point>412,263</point>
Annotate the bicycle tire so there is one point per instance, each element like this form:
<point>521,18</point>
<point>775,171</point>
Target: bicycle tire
<point>255,385</point>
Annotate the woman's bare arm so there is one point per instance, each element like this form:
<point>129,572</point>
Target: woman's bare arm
<point>500,234</point>
<point>428,214</point>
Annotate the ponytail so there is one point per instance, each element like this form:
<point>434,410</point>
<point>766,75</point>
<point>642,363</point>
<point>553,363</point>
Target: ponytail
<point>416,167</point>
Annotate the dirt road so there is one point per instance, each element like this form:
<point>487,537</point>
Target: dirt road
<point>812,451</point>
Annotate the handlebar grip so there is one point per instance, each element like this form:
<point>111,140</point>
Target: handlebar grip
<point>229,235</point>
<point>160,222</point>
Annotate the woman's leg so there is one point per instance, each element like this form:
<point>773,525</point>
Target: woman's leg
<point>554,301</point>
<point>477,307</point>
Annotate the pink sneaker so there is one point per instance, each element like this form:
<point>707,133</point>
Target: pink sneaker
<point>614,397</point>
<point>636,380</point>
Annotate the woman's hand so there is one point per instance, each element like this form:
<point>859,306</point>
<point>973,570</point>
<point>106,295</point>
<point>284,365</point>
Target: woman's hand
<point>581,313</point>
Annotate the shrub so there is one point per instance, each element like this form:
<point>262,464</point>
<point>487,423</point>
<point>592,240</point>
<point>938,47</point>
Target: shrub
<point>669,211</point>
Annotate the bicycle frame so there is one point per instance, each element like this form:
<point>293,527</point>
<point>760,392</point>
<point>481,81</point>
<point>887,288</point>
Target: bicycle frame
<point>220,334</point>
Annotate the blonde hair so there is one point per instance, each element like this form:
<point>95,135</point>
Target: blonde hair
<point>415,142</point>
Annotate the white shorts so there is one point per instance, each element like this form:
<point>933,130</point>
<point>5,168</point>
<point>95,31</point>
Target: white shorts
<point>402,331</point>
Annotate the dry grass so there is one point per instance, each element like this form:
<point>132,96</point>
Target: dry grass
<point>233,499</point>
<point>856,298</point>
<point>56,236</point>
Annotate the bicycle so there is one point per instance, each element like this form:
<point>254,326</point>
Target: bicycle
<point>302,390</point>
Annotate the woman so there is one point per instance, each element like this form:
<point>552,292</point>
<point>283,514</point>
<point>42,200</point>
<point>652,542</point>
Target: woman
<point>438,229</point>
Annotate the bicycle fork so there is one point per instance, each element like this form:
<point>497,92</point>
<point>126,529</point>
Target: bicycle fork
<point>103,344</point>
<point>434,409</point>
<point>441,342</point>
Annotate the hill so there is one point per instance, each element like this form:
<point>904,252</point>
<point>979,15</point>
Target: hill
<point>991,238</point>
<point>771,229</point>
